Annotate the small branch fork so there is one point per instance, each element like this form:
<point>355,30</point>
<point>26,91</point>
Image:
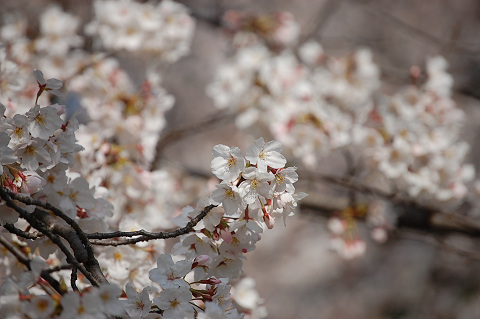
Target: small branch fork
<point>51,222</point>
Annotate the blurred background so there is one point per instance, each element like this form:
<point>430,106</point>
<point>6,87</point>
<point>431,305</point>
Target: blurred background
<point>413,274</point>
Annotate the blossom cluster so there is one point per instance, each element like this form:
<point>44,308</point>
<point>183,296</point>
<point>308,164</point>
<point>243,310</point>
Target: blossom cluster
<point>325,103</point>
<point>134,27</point>
<point>109,184</point>
<point>120,122</point>
<point>95,167</point>
<point>316,105</point>
<point>255,190</point>
<point>117,123</point>
<point>37,149</point>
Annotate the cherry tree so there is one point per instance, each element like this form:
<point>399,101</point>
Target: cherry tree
<point>86,208</point>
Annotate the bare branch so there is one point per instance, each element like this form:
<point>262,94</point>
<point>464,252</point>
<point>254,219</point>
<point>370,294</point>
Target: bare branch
<point>58,268</point>
<point>418,33</point>
<point>439,241</point>
<point>187,130</point>
<point>320,20</point>
<point>15,251</point>
<point>412,214</point>
<point>73,279</point>
<point>20,256</point>
<point>144,235</point>
<point>21,233</point>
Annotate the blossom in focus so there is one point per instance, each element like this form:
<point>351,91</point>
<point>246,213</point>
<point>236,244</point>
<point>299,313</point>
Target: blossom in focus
<point>266,154</point>
<point>175,303</point>
<point>229,196</point>
<point>51,85</point>
<point>227,162</point>
<point>256,183</point>
<point>170,274</point>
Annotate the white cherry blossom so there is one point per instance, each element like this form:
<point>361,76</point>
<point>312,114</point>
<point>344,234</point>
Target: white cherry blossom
<point>138,304</point>
<point>227,162</point>
<point>266,154</point>
<point>256,184</point>
<point>170,274</point>
<point>175,303</point>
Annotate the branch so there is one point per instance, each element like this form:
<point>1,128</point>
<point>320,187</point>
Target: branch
<point>320,20</point>
<point>52,228</point>
<point>413,215</point>
<point>15,252</point>
<point>418,33</point>
<point>20,256</point>
<point>145,235</point>
<point>21,233</point>
<point>186,130</point>
<point>440,242</point>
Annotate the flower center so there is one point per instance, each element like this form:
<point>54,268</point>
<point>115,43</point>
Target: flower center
<point>229,194</point>
<point>174,303</point>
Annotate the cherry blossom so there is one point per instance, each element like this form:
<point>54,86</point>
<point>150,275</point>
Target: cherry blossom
<point>227,162</point>
<point>169,274</point>
<point>229,196</point>
<point>256,184</point>
<point>6,153</point>
<point>175,303</point>
<point>266,154</point>
<point>138,304</point>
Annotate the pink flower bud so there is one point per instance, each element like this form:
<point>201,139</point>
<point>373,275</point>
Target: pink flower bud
<point>269,221</point>
<point>202,260</point>
<point>226,235</point>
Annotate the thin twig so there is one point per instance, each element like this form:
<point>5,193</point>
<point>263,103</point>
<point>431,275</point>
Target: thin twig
<point>20,256</point>
<point>441,242</point>
<point>418,33</point>
<point>187,130</point>
<point>144,235</point>
<point>321,19</point>
<point>21,233</point>
<point>416,214</point>
<point>58,268</point>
